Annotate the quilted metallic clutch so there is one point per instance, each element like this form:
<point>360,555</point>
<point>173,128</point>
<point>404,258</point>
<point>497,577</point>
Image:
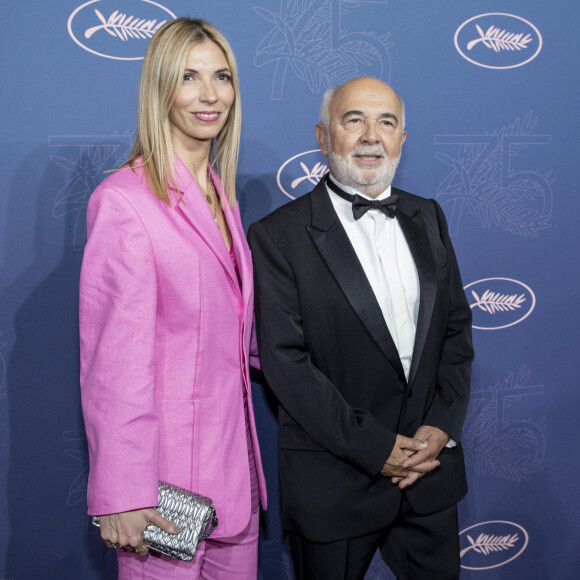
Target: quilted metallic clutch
<point>193,513</point>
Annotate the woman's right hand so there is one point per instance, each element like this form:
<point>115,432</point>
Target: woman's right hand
<point>125,529</point>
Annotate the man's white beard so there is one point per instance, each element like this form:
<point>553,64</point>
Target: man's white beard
<point>347,173</point>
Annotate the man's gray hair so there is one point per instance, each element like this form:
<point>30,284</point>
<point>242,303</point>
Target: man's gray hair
<point>324,114</point>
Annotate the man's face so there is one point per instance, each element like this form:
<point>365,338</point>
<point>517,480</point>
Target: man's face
<point>365,135</point>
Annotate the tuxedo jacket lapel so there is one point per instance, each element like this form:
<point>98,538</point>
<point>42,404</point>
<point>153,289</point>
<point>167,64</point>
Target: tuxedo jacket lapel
<point>412,223</point>
<point>339,255</point>
<point>336,250</point>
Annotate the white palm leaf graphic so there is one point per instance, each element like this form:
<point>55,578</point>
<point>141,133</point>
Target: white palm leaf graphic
<point>499,40</point>
<point>496,447</point>
<point>475,184</point>
<point>124,27</point>
<point>493,302</point>
<point>486,544</point>
<point>313,176</point>
<point>307,40</point>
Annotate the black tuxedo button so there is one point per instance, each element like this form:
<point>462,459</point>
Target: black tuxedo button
<point>409,393</point>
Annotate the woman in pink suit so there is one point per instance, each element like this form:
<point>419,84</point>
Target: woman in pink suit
<point>166,317</point>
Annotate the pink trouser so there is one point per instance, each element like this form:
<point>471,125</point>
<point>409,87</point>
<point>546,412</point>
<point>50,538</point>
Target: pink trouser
<point>220,559</point>
<point>223,559</point>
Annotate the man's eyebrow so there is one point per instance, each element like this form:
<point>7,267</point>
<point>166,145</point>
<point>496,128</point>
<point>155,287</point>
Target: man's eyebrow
<point>352,113</point>
<point>356,113</point>
<point>390,116</point>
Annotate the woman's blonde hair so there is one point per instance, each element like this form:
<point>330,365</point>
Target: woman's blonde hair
<point>161,78</point>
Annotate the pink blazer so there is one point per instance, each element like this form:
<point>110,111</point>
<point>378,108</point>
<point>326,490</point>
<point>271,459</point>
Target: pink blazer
<point>166,337</point>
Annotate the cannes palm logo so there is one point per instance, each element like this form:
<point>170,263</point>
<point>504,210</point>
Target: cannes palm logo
<point>314,43</point>
<point>499,302</point>
<point>504,436</point>
<point>75,443</point>
<point>491,544</point>
<point>301,173</point>
<point>82,162</point>
<point>498,40</point>
<point>117,30</point>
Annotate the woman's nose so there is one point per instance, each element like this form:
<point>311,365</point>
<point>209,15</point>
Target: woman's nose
<point>208,93</point>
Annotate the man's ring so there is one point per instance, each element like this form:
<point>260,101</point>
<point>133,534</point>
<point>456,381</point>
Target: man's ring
<point>116,546</point>
<point>141,549</point>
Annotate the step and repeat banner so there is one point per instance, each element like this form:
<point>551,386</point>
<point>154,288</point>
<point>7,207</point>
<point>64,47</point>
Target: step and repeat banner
<point>491,91</point>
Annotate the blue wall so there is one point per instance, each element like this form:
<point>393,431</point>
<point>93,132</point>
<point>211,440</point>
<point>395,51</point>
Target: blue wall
<point>491,90</point>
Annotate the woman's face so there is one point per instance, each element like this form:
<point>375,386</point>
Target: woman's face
<point>204,98</point>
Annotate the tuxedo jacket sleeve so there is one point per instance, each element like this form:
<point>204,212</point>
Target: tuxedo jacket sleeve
<point>451,397</point>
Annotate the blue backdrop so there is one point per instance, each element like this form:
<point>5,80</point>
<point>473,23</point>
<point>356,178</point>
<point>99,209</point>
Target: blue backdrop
<point>491,94</point>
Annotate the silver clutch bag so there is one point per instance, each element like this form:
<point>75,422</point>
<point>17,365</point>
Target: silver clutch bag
<point>193,513</point>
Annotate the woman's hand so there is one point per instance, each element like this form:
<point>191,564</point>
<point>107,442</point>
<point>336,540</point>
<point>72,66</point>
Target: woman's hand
<point>125,530</point>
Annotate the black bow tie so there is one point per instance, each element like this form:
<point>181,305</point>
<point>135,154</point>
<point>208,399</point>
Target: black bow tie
<point>360,205</point>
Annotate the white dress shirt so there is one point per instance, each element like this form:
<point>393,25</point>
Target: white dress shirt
<point>384,254</point>
<point>387,261</point>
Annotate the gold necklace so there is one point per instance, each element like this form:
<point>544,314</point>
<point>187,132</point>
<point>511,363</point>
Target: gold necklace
<point>211,199</point>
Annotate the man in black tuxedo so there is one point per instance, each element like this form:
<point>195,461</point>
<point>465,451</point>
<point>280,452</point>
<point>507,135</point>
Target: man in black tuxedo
<point>365,338</point>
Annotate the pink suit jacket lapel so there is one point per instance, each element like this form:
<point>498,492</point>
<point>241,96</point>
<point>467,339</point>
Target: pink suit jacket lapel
<point>193,207</point>
<point>240,248</point>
